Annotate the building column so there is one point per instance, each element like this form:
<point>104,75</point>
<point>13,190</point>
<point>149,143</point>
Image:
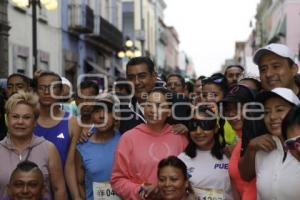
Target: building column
<point>4,28</point>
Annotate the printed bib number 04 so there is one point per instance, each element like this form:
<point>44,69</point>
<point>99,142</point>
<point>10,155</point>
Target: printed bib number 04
<point>103,191</point>
<point>209,194</point>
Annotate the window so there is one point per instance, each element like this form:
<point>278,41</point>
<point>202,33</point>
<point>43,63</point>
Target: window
<point>21,64</point>
<point>20,59</point>
<point>42,15</point>
<point>43,60</point>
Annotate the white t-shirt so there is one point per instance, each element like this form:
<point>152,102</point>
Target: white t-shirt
<point>208,173</point>
<point>275,178</point>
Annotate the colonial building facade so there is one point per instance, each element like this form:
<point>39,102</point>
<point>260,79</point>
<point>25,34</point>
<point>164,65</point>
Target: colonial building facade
<point>4,28</point>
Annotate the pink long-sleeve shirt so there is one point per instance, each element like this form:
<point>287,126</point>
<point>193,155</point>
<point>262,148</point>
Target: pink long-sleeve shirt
<point>137,156</point>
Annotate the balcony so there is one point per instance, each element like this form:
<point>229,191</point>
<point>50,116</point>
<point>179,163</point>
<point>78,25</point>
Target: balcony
<point>108,35</point>
<point>81,18</point>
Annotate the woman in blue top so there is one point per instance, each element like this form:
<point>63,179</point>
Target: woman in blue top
<point>94,159</point>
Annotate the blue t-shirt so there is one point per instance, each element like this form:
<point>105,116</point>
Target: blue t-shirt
<point>97,161</point>
<point>58,135</point>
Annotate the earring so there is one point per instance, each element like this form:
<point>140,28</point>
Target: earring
<point>187,191</point>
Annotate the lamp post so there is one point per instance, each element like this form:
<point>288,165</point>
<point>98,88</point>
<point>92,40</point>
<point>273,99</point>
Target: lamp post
<point>129,50</point>
<point>49,5</point>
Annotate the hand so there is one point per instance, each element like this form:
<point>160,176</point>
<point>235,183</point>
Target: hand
<point>228,150</point>
<point>263,142</point>
<point>148,191</point>
<point>180,129</point>
<point>84,136</point>
<point>38,72</point>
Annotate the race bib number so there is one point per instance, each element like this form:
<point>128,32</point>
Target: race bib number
<point>209,194</point>
<point>103,191</point>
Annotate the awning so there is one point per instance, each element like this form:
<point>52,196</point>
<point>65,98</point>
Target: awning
<point>96,67</point>
<point>278,31</point>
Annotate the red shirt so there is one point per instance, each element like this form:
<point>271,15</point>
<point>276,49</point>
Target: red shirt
<point>246,190</point>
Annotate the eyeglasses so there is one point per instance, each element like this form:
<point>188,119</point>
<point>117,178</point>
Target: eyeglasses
<point>292,143</point>
<point>205,125</point>
<point>44,88</point>
<point>213,79</point>
<point>219,80</point>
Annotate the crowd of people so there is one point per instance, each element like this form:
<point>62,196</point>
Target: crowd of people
<point>223,137</point>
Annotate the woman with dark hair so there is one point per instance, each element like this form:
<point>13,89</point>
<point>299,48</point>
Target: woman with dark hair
<point>286,179</point>
<point>141,148</point>
<point>173,180</point>
<point>277,174</point>
<point>204,157</point>
<point>253,84</point>
<point>235,104</point>
<point>214,90</point>
<point>291,132</point>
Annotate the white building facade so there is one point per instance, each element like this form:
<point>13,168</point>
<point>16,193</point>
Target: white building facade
<point>48,40</point>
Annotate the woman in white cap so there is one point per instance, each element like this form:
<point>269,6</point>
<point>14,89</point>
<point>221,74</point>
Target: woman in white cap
<point>265,157</point>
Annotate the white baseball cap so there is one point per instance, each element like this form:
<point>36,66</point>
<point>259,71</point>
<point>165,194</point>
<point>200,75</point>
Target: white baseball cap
<point>284,93</point>
<point>65,81</point>
<point>278,49</point>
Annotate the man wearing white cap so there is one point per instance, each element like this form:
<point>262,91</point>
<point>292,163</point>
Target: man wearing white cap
<point>68,104</point>
<point>277,67</point>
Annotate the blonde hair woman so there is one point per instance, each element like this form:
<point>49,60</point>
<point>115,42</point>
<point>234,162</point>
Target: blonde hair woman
<point>21,145</point>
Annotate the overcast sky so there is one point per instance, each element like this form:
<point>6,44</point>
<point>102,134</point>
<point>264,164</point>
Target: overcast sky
<point>208,29</point>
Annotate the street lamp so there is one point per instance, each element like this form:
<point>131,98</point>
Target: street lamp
<point>129,50</point>
<point>49,5</point>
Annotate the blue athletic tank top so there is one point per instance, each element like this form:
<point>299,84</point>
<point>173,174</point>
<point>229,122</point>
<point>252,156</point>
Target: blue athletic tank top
<point>97,161</point>
<point>58,135</point>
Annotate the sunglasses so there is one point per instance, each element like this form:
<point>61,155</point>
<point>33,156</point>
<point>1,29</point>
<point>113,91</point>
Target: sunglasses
<point>205,125</point>
<point>219,80</point>
<point>292,143</point>
<point>213,79</point>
